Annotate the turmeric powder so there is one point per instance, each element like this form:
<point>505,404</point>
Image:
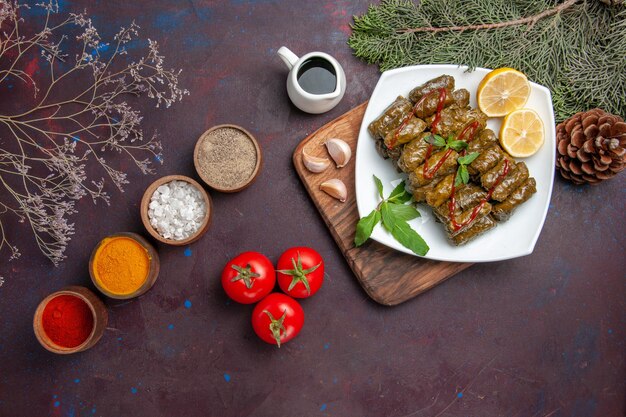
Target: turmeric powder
<point>121,265</point>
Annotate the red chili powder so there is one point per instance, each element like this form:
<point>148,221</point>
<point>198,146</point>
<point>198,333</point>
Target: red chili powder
<point>67,320</point>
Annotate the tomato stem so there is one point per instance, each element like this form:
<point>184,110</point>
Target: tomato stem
<point>245,274</point>
<point>276,326</point>
<point>299,274</point>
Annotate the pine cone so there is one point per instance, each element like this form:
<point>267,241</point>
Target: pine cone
<point>591,146</point>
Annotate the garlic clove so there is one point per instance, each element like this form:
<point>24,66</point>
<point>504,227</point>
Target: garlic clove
<point>335,188</point>
<point>339,150</point>
<point>313,163</point>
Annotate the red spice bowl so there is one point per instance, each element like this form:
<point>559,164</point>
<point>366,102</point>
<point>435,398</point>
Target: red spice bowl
<point>70,320</point>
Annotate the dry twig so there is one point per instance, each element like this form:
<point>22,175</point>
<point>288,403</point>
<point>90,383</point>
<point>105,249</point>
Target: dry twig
<point>76,117</point>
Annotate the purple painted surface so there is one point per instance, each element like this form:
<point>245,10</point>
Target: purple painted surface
<point>537,336</point>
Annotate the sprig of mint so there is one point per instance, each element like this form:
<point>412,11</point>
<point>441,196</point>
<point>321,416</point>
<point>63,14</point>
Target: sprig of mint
<point>450,143</point>
<point>462,176</point>
<point>395,215</point>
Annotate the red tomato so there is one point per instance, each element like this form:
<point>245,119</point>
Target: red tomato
<point>300,272</point>
<point>277,319</point>
<point>248,277</point>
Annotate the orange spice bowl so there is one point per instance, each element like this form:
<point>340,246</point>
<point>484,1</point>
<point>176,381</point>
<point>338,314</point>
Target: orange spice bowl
<point>98,311</point>
<point>211,182</point>
<point>145,202</point>
<point>154,266</point>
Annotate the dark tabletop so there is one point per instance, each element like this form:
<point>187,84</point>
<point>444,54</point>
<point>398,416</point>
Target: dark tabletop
<point>541,335</point>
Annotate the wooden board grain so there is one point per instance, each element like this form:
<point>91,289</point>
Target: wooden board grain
<point>388,276</point>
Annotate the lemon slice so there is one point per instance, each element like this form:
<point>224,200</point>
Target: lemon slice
<point>522,134</point>
<point>502,91</point>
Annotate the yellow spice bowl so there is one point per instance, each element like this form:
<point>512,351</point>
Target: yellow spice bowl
<point>127,269</point>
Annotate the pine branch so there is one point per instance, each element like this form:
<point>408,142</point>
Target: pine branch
<point>527,20</point>
<point>575,48</point>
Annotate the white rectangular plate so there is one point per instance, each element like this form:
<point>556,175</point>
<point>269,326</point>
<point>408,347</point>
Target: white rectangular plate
<point>511,239</point>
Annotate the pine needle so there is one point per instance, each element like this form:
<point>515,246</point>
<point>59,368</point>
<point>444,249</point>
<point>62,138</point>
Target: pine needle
<point>576,48</point>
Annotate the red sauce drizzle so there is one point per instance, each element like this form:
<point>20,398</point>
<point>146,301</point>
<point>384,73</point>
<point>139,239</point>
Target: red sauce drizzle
<point>452,203</point>
<point>442,99</point>
<point>472,127</point>
<point>431,173</point>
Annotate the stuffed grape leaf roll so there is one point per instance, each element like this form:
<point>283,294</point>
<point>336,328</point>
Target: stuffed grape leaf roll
<point>414,153</point>
<point>406,133</point>
<point>441,192</point>
<point>502,211</point>
<point>487,159</point>
<point>432,169</point>
<point>478,228</point>
<point>444,81</point>
<point>391,118</point>
<point>510,183</point>
<point>490,178</point>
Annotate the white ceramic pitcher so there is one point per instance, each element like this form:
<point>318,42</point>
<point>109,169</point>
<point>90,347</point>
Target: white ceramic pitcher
<point>304,100</point>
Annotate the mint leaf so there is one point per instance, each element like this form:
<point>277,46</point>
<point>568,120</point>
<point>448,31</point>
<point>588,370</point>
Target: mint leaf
<point>457,145</point>
<point>404,212</point>
<point>409,238</point>
<point>458,180</point>
<point>462,175</point>
<point>397,191</point>
<point>365,226</point>
<point>401,198</point>
<point>379,185</point>
<point>435,140</point>
<point>389,219</point>
<point>467,159</point>
<point>394,214</point>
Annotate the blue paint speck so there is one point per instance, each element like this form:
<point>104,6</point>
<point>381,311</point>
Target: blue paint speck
<point>77,380</point>
<point>226,377</point>
<point>10,86</point>
<point>187,304</point>
<point>170,326</point>
<point>119,338</point>
<point>326,345</point>
<point>57,403</point>
<point>169,352</point>
<point>460,395</point>
<point>133,390</point>
<point>158,158</point>
<point>323,407</point>
<point>75,138</point>
<point>188,251</point>
<point>54,396</point>
<point>610,331</point>
<point>93,410</point>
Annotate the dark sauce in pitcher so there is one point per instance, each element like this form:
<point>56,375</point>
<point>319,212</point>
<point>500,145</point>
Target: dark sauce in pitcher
<point>317,76</point>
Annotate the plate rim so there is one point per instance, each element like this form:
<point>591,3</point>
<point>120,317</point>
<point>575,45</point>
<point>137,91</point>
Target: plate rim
<point>550,128</point>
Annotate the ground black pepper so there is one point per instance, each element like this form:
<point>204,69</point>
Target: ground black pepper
<point>227,158</point>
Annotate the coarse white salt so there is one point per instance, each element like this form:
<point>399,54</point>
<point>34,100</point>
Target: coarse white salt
<point>176,210</point>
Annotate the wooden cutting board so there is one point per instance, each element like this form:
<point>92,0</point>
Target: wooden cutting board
<point>388,276</point>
